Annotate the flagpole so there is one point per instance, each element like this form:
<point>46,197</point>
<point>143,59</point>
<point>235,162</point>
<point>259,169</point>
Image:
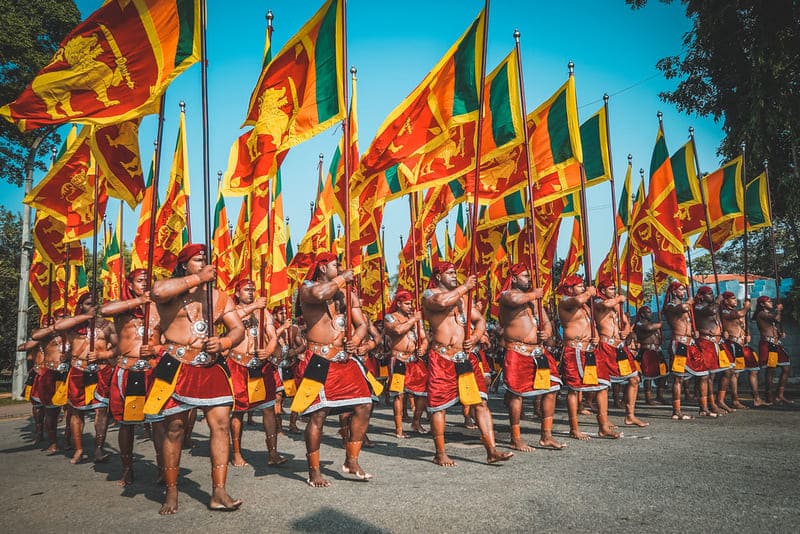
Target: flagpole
<point>689,265</point>
<point>206,169</point>
<point>49,292</point>
<point>153,215</point>
<point>346,168</point>
<point>66,294</point>
<point>587,255</point>
<point>705,205</point>
<point>476,182</point>
<point>613,198</point>
<point>412,209</point>
<point>383,270</point>
<point>655,288</point>
<point>530,235</point>
<point>772,236</point>
<point>95,211</point>
<point>743,146</point>
<point>121,247</point>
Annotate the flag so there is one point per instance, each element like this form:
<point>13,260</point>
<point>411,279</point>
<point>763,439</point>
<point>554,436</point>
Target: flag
<point>594,144</point>
<point>691,211</point>
<point>724,192</point>
<point>574,259</point>
<point>113,267</point>
<point>448,246</point>
<point>241,245</point>
<point>438,116</point>
<point>48,240</point>
<point>141,241</point>
<point>113,66</point>
<point>299,94</point>
<point>372,290</point>
<point>277,270</point>
<point>172,219</point>
<point>624,210</point>
<point>460,239</point>
<point>222,252</point>
<point>115,148</point>
<point>43,286</point>
<point>655,228</point>
<point>547,219</point>
<point>631,272</point>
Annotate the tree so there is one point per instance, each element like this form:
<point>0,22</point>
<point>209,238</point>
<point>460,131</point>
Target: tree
<point>10,233</point>
<point>741,66</point>
<point>32,31</point>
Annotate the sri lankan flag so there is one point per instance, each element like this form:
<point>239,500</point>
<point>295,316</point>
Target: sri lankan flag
<point>724,192</point>
<point>277,270</point>
<point>437,204</point>
<point>172,217</point>
<point>574,259</point>
<point>242,244</point>
<point>594,143</point>
<point>46,283</point>
<point>624,209</point>
<point>374,294</point>
<point>222,251</point>
<point>460,239</point>
<point>113,66</point>
<point>115,148</point>
<point>691,211</point>
<point>48,240</point>
<point>439,115</point>
<point>655,228</point>
<point>113,267</point>
<point>631,273</point>
<point>547,219</point>
<point>142,239</point>
<point>299,94</point>
<point>448,245</point>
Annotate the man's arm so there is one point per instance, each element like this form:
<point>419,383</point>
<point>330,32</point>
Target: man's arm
<point>517,299</point>
<point>443,300</point>
<point>478,329</point>
<point>235,330</point>
<point>166,290</point>
<point>323,291</point>
<point>68,323</point>
<point>396,328</point>
<point>117,307</point>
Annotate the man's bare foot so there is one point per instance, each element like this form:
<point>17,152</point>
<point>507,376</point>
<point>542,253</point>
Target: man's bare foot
<point>608,433</point>
<point>738,405</point>
<point>584,411</point>
<point>418,428</point>
<point>101,456</point>
<point>78,457</point>
<point>706,413</point>
<point>495,456</point>
<point>368,443</point>
<point>550,443</point>
<point>315,479</point>
<point>222,502</point>
<point>127,477</point>
<point>758,403</point>
<point>469,424</point>
<point>52,449</point>
<point>293,429</point>
<point>520,445</point>
<point>351,467</point>
<point>577,434</point>
<point>441,459</point>
<point>679,416</point>
<point>635,421</point>
<point>780,399</point>
<point>725,408</point>
<point>273,459</point>
<point>238,460</point>
<point>170,506</point>
<point>619,404</point>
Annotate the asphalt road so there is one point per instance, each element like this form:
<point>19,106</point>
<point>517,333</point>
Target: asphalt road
<point>738,473</point>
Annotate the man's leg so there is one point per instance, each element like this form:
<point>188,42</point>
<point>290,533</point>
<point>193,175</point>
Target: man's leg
<point>359,421</point>
<point>648,392</point>
<point>37,411</point>
<point>573,400</point>
<point>188,442</point>
<point>159,430</point>
<point>616,390</point>
<point>175,427</point>
<point>514,404</point>
<point>780,398</point>
<point>218,420</point>
<point>51,428</point>
<point>724,382</point>
<point>437,430</point>
<point>75,424</point>
<point>630,403</point>
<point>271,428</point>
<point>420,406</point>
<point>548,403</point>
<point>768,394</point>
<point>469,419</point>
<point>278,411</point>
<point>237,420</point>
<point>483,416</point>
<point>397,409</point>
<point>313,435</point>
<point>734,384</point>
<point>125,437</point>
<point>703,396</point>
<point>100,429</point>
<point>752,377</point>
<point>605,429</point>
<point>676,397</point>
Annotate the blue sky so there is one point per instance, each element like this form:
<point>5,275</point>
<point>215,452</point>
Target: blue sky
<point>393,45</point>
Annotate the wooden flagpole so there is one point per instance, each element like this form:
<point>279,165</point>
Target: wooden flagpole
<point>772,237</point>
<point>346,165</point>
<point>206,170</point>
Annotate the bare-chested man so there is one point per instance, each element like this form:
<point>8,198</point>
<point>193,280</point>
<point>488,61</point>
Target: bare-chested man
<point>709,342</point>
<point>290,349</point>
<point>583,370</point>
<point>613,328</point>
<point>650,356</point>
<point>529,370</point>
<point>771,353</point>
<point>408,343</point>
<point>35,356</point>
<point>91,369</point>
<point>452,361</point>
<point>687,360</point>
<point>51,385</point>
<point>330,374</point>
<point>192,352</point>
<point>736,339</point>
<point>133,374</point>
<point>253,381</point>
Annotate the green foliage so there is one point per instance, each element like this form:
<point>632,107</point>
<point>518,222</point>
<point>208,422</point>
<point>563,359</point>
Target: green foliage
<point>741,66</point>
<point>32,31</point>
<point>10,239</point>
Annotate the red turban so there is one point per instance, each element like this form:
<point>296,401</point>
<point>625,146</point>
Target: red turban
<point>400,296</point>
<point>241,283</point>
<point>126,293</point>
<point>440,268</point>
<point>277,309</point>
<point>513,271</point>
<point>704,290</point>
<point>190,251</point>
<point>604,283</point>
<point>321,259</point>
<point>762,300</point>
<point>674,286</point>
<point>639,313</point>
<point>728,295</point>
<point>570,281</point>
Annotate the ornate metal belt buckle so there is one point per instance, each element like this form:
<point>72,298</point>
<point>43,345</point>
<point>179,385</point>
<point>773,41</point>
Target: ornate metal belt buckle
<point>78,364</point>
<point>181,352</point>
<point>340,357</point>
<point>92,367</point>
<point>324,350</point>
<point>63,366</point>
<point>254,363</point>
<point>202,358</point>
<point>459,357</point>
<point>536,352</point>
<point>141,365</point>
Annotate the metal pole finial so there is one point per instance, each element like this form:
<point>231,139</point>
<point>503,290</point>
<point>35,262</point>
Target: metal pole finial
<point>182,105</point>
<point>269,17</point>
<point>605,98</point>
<point>155,143</point>
<point>630,159</point>
<point>660,116</point>
<point>516,35</point>
<point>353,71</point>
<point>766,163</point>
<point>383,227</point>
<point>53,151</point>
<point>287,220</point>
<point>219,175</point>
<point>641,173</point>
<point>321,157</point>
<point>743,145</point>
<point>691,131</point>
<point>571,68</point>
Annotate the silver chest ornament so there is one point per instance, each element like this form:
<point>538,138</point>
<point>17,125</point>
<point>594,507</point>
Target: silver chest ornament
<point>140,331</point>
<point>200,328</point>
<point>253,331</point>
<point>462,319</point>
<point>339,322</point>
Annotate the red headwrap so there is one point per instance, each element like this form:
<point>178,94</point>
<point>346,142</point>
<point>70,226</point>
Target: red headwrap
<point>602,284</point>
<point>321,259</point>
<point>674,286</point>
<point>241,283</point>
<point>760,301</point>
<point>277,309</point>
<point>570,281</point>
<point>441,267</point>
<point>190,251</point>
<point>728,295</point>
<point>400,296</point>
<point>514,270</point>
<point>704,290</point>
<point>127,294</point>
<point>639,313</point>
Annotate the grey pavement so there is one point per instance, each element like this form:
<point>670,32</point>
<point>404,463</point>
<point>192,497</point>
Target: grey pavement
<point>737,473</point>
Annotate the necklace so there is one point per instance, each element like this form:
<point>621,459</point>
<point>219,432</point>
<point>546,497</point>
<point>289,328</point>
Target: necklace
<point>199,326</point>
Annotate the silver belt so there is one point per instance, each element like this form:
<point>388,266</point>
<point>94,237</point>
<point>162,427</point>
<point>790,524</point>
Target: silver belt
<point>140,365</point>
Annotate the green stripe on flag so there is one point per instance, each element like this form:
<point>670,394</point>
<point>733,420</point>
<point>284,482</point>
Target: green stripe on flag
<point>334,167</point>
<point>752,202</point>
<point>624,201</point>
<point>683,186</point>
<point>660,154</point>
<point>558,129</point>
<point>218,210</point>
<point>514,204</point>
<point>592,150</point>
<point>372,249</point>
<point>393,178</point>
<point>465,90</point>
<point>500,107</point>
<point>456,188</point>
<point>727,193</point>
<point>186,30</point>
<point>325,64</point>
